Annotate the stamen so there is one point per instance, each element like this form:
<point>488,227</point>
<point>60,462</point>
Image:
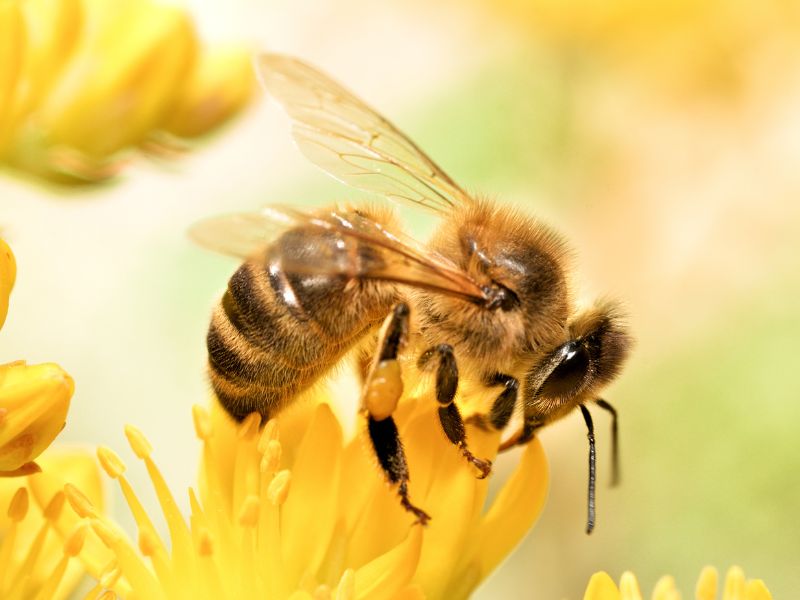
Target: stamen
<point>76,539</point>
<point>249,425</point>
<point>271,459</point>
<point>248,514</point>
<point>268,434</point>
<point>111,462</point>
<point>53,509</point>
<point>278,488</point>
<point>82,506</point>
<point>19,505</point>
<point>138,443</point>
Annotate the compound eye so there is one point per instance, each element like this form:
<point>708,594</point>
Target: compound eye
<point>567,378</point>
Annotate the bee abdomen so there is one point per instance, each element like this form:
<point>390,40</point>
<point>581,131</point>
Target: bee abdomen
<point>274,334</point>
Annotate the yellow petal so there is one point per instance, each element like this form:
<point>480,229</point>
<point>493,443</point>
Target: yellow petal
<point>8,268</point>
<point>54,27</point>
<point>515,510</point>
<point>734,584</point>
<point>221,84</point>
<point>601,587</point>
<point>757,590</point>
<point>629,587</point>
<point>665,589</point>
<point>35,400</point>
<point>12,52</point>
<point>121,82</point>
<point>707,584</point>
<point>389,573</point>
<point>315,483</point>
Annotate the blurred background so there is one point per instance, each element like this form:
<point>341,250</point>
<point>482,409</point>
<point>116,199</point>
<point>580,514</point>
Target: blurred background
<point>662,139</point>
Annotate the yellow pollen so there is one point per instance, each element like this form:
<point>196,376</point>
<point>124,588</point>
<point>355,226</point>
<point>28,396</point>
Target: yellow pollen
<point>79,503</point>
<point>74,543</point>
<point>268,434</point>
<point>112,464</point>
<point>53,509</point>
<point>202,422</point>
<point>19,505</point>
<point>139,444</point>
<point>272,457</point>
<point>279,488</point>
<point>248,515</point>
<point>384,390</point>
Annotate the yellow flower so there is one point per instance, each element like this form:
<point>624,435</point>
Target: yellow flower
<point>84,81</point>
<point>302,513</point>
<point>34,399</point>
<point>38,539</point>
<point>602,587</point>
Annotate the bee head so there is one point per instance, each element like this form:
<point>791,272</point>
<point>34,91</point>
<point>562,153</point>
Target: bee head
<point>578,369</point>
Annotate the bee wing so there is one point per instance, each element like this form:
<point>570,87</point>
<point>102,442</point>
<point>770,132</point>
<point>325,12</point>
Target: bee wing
<point>352,142</point>
<point>239,234</point>
<point>359,247</point>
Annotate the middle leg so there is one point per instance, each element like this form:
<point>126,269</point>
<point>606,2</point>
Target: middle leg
<point>449,415</point>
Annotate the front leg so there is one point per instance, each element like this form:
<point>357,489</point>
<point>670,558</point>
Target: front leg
<point>383,387</point>
<point>449,415</point>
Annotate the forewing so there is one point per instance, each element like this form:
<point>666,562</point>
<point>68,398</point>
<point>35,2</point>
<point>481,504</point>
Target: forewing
<point>350,141</point>
<point>335,243</point>
<point>240,234</point>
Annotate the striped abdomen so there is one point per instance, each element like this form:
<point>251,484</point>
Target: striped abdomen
<point>277,330</point>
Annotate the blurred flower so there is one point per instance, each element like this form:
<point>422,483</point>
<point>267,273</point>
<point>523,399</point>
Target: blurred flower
<point>304,514</point>
<point>34,399</point>
<point>38,539</point>
<point>84,81</point>
<point>683,46</point>
<point>8,274</point>
<point>602,587</point>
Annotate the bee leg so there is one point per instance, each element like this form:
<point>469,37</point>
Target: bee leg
<point>449,415</point>
<point>522,436</point>
<point>592,469</point>
<point>503,406</point>
<point>381,392</point>
<point>614,440</point>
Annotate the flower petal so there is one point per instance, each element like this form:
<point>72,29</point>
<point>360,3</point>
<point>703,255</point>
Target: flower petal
<point>8,266</point>
<point>665,589</point>
<point>516,508</point>
<point>707,584</point>
<point>221,84</point>
<point>757,590</point>
<point>12,52</point>
<point>315,483</point>
<point>629,587</point>
<point>601,587</point>
<point>34,400</point>
<point>391,572</point>
<point>734,584</point>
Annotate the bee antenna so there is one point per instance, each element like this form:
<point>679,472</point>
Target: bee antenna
<point>614,440</point>
<point>592,469</point>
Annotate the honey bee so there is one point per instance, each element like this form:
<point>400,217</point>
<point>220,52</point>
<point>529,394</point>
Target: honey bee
<point>488,295</point>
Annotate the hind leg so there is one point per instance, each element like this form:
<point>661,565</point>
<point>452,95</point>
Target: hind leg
<point>383,387</point>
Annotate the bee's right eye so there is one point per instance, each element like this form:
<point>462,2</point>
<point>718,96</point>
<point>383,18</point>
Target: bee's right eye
<point>569,376</point>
